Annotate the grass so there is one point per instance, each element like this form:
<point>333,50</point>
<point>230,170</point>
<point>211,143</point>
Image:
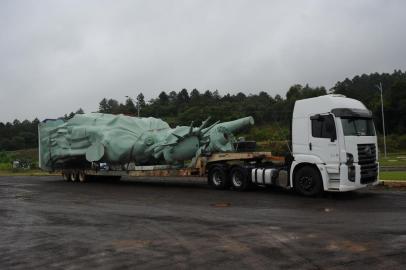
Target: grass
<point>398,176</point>
<point>393,159</point>
<point>35,172</point>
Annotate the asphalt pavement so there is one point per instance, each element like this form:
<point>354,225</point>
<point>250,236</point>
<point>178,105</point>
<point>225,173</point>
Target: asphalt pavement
<point>46,223</point>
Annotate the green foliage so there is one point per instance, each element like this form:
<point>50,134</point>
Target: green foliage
<point>4,157</point>
<point>394,143</point>
<point>267,133</point>
<point>272,114</point>
<point>25,154</point>
<point>364,88</point>
<point>18,135</point>
<point>5,166</point>
<point>181,108</point>
<point>28,156</point>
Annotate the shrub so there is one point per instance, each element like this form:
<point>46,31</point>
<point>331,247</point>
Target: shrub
<point>4,158</point>
<point>5,166</point>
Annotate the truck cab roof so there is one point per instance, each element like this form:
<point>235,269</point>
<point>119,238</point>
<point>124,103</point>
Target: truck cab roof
<point>325,104</point>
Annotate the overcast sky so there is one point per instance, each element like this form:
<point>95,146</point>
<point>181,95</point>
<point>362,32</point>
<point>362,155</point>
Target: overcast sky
<point>58,56</point>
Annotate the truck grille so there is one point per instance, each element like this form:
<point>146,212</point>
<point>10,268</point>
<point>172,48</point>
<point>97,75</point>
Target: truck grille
<point>367,161</point>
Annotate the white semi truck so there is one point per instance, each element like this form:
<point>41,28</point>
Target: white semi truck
<point>334,145</point>
<point>334,148</point>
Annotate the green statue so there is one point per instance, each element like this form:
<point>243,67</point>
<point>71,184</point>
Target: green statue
<point>119,139</point>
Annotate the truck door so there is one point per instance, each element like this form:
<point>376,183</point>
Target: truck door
<point>323,141</point>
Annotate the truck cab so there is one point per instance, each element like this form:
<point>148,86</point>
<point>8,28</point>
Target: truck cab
<point>334,145</point>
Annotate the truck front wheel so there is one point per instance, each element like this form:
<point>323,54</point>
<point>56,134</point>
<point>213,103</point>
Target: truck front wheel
<point>218,177</point>
<point>308,181</point>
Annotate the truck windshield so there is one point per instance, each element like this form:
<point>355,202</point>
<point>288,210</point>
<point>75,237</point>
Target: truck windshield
<point>358,127</point>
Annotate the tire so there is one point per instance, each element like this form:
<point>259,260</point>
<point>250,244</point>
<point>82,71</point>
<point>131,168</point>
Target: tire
<point>82,176</point>
<point>239,178</point>
<point>73,176</point>
<point>308,181</point>
<point>218,177</point>
<point>66,176</point>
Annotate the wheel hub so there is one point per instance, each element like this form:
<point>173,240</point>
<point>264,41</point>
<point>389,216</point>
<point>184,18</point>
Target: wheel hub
<point>306,182</point>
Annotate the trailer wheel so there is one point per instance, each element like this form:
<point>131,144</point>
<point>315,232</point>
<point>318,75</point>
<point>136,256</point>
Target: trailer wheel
<point>239,178</point>
<point>218,177</point>
<point>82,176</point>
<point>308,181</point>
<point>73,176</point>
<point>66,176</point>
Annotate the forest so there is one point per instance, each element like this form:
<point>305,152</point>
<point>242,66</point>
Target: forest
<point>271,113</point>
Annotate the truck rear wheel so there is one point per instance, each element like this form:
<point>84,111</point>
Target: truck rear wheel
<point>308,181</point>
<point>218,177</point>
<point>239,179</point>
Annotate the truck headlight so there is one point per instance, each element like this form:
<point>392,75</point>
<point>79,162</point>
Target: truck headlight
<point>350,159</point>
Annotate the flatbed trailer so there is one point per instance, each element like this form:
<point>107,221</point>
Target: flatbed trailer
<point>219,168</point>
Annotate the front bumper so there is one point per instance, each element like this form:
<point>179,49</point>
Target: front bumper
<point>347,185</point>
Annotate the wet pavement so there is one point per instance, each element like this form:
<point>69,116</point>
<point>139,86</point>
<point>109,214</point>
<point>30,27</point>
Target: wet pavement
<point>47,223</point>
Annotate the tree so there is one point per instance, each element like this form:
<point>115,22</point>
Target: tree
<point>17,142</point>
<point>35,122</point>
<point>263,95</point>
<point>183,96</point>
<point>364,88</point>
<point>103,106</point>
<point>208,95</point>
<point>172,96</point>
<point>240,96</point>
<point>216,95</point>
<point>294,92</point>
<point>113,106</point>
<point>140,100</point>
<point>5,144</point>
<point>195,96</point>
<point>129,107</point>
<point>80,111</point>
<point>163,98</point>
<point>396,113</point>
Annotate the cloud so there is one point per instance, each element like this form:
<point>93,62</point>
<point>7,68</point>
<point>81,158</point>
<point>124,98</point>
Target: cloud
<point>57,56</point>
